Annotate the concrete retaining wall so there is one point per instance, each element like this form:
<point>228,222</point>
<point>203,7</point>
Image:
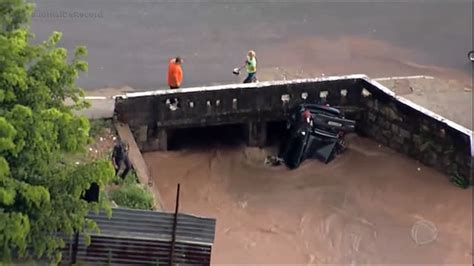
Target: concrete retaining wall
<point>390,119</point>
<point>410,129</point>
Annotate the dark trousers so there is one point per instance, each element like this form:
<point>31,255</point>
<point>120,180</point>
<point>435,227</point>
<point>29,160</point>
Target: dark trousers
<point>126,163</point>
<point>250,78</point>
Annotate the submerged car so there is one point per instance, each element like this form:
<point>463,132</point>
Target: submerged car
<point>314,131</point>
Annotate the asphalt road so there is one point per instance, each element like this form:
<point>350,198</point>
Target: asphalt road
<point>130,42</point>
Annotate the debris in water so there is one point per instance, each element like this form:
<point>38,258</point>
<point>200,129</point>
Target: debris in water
<point>424,232</point>
<point>273,161</point>
<point>243,204</point>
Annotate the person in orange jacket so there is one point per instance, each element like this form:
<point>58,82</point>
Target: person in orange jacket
<point>175,73</point>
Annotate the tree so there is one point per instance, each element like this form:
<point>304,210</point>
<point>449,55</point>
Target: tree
<point>40,191</point>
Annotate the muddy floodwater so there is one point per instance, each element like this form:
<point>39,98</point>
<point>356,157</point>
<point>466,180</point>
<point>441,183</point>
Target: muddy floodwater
<point>370,205</point>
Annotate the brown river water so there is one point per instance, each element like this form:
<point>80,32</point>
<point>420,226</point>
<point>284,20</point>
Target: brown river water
<point>370,205</point>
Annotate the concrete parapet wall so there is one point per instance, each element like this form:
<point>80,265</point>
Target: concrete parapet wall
<point>388,118</point>
<point>232,103</point>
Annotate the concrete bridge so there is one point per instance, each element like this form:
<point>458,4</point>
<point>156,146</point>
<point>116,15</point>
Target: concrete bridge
<point>389,119</point>
<point>253,105</point>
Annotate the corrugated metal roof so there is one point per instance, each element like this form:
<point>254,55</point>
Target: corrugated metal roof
<point>144,237</point>
<point>156,225</point>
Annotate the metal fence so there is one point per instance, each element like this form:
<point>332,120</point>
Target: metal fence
<point>145,238</point>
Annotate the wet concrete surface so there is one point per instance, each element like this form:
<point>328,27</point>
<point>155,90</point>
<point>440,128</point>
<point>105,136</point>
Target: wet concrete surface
<point>448,98</point>
<point>370,205</point>
<point>130,42</point>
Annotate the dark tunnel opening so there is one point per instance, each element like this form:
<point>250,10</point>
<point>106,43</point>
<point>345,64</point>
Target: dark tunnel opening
<point>222,135</point>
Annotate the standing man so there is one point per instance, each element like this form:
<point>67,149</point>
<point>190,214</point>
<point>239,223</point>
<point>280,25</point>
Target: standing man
<point>175,73</point>
<point>119,156</point>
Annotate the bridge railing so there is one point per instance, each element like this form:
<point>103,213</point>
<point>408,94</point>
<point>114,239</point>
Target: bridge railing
<point>233,103</point>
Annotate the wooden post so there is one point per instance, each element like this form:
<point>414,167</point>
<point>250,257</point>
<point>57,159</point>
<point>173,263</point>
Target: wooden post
<point>75,247</point>
<point>175,223</point>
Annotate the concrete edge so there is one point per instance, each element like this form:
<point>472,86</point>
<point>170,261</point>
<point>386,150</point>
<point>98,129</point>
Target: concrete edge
<point>240,86</point>
<point>136,158</point>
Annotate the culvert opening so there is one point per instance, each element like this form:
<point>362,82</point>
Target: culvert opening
<point>206,137</point>
<point>223,135</point>
<point>276,132</point>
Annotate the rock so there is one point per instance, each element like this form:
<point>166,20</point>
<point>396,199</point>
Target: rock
<point>404,133</point>
<point>395,129</point>
<point>370,104</point>
<point>465,171</point>
<point>425,146</point>
<point>459,158</point>
<point>416,140</point>
<point>425,128</point>
<point>391,114</point>
<point>395,145</point>
<point>438,148</point>
<point>387,133</point>
<point>454,168</point>
<point>398,139</point>
<point>446,161</point>
<point>380,138</point>
<point>430,158</point>
<point>371,116</point>
<point>442,133</point>
<point>406,149</point>
<point>412,151</point>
